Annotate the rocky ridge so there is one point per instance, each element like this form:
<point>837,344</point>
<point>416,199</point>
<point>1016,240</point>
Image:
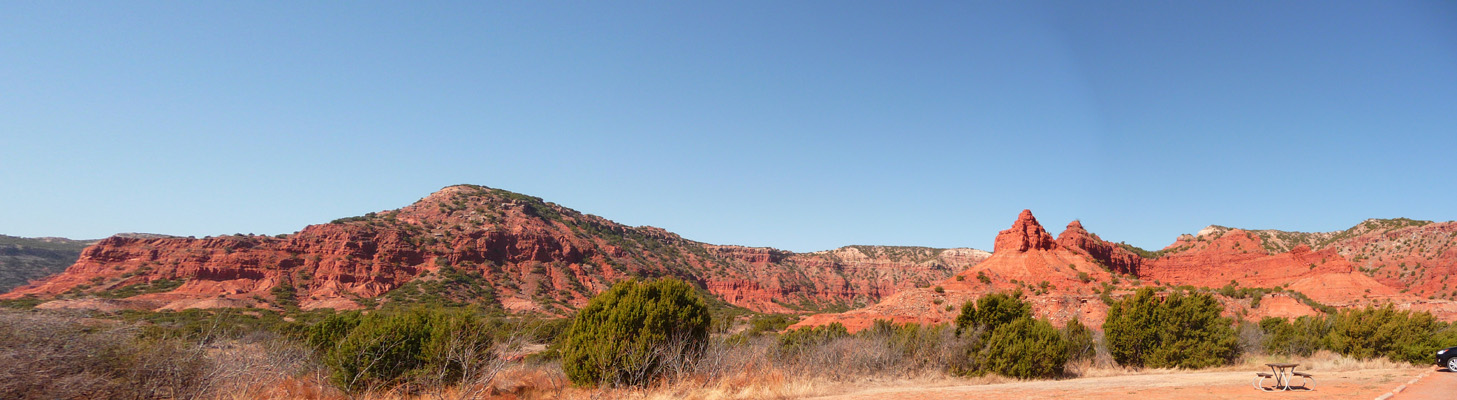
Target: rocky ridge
<point>1074,276</point>
<point>478,245</point>
<point>1416,256</point>
<point>471,244</point>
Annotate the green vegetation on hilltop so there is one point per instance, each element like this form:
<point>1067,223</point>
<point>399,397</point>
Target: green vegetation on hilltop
<point>915,254</point>
<point>1372,225</point>
<point>445,287</point>
<point>155,286</point>
<point>1278,241</point>
<point>1148,254</point>
<point>1283,241</point>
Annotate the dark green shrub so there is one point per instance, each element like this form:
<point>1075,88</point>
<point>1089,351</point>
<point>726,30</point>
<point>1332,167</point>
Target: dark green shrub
<point>387,349</point>
<point>1384,331</point>
<point>1080,344</point>
<point>1131,328</point>
<point>1194,335</point>
<point>1005,339</point>
<point>624,335</point>
<point>768,323</point>
<point>1404,336</point>
<point>795,342</point>
<point>991,311</point>
<point>1301,337</point>
<point>285,295</point>
<point>1184,331</point>
<point>323,335</point>
<point>1026,348</point>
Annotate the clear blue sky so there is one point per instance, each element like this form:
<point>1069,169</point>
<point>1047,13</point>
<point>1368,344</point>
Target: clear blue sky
<point>799,125</point>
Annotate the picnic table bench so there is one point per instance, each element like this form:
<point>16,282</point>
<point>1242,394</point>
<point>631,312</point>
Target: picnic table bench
<point>1281,373</point>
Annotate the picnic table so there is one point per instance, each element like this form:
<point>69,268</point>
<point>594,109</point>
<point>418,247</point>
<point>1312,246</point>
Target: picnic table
<point>1281,372</point>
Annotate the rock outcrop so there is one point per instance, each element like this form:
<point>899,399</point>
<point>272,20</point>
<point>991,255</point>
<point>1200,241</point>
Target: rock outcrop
<point>1061,284</point>
<point>472,244</point>
<point>1108,254</point>
<point>1024,235</point>
<point>1067,278</point>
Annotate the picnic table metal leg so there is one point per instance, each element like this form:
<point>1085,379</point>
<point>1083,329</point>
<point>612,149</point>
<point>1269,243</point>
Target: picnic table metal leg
<point>1260,384</point>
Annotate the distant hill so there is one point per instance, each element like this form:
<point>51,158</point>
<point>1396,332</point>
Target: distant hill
<point>473,244</point>
<point>470,244</point>
<point>26,259</point>
<point>1413,256</point>
<point>1255,273</point>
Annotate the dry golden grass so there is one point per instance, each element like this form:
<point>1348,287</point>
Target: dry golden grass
<point>536,381</point>
<point>290,388</point>
<point>1323,360</point>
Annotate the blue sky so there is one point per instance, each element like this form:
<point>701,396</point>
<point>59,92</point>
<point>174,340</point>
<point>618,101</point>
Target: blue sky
<point>798,125</point>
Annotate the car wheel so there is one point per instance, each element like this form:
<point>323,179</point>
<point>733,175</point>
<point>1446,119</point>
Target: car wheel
<point>1452,364</point>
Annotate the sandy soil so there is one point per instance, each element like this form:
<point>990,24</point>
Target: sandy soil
<point>1358,384</point>
<point>1440,385</point>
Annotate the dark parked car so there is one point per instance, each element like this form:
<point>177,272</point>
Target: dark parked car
<point>1448,358</point>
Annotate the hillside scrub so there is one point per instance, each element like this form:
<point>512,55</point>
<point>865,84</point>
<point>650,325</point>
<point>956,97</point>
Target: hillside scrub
<point>420,346</point>
<point>990,312</point>
<point>1375,331</point>
<point>1081,344</point>
<point>463,352</point>
<point>1008,341</point>
<point>1178,331</point>
<point>48,355</point>
<point>1026,348</point>
<point>634,332</point>
<point>259,364</point>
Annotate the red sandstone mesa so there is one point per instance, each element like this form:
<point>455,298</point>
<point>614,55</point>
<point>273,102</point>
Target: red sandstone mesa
<point>534,256</point>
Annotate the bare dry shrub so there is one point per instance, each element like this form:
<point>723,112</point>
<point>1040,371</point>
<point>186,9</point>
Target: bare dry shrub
<point>531,380</point>
<point>479,366</point>
<point>65,356</point>
<point>759,368</point>
<point>264,365</point>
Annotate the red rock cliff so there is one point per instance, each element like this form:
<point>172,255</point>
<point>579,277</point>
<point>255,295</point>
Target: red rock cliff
<point>530,255</point>
<point>1025,234</point>
<point>1117,258</point>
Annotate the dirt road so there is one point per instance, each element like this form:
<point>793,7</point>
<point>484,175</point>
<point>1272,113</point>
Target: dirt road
<point>1440,385</point>
<point>1358,384</point>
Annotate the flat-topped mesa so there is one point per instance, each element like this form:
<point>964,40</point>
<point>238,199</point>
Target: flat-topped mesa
<point>1026,234</point>
<point>1111,255</point>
